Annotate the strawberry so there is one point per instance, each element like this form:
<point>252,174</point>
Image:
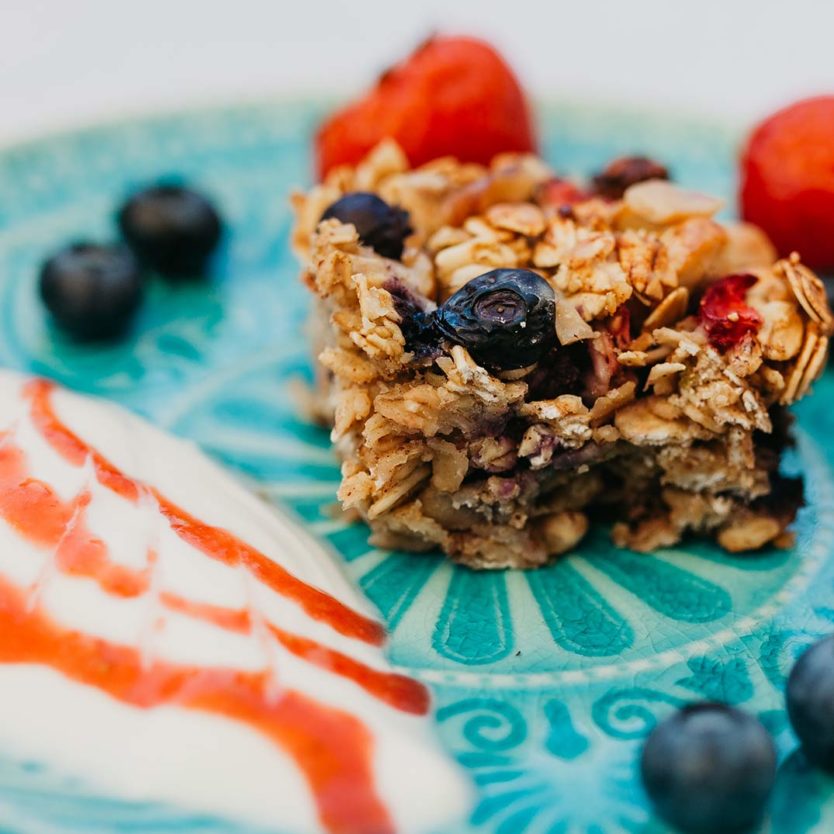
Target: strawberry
<point>787,180</point>
<point>453,96</point>
<point>725,314</point>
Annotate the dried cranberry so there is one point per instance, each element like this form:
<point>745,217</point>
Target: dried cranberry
<point>725,314</point>
<point>560,194</point>
<point>624,172</point>
<point>620,327</point>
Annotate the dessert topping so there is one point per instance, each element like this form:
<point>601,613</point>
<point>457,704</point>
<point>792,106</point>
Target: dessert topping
<point>171,229</point>
<point>810,701</point>
<point>379,225</point>
<point>505,318</point>
<point>787,180</point>
<point>92,290</point>
<point>709,768</point>
<point>724,313</point>
<point>453,96</point>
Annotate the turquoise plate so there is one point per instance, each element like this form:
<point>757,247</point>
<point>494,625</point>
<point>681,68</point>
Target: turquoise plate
<point>546,682</point>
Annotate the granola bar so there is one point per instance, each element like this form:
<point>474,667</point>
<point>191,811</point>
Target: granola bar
<point>645,379</point>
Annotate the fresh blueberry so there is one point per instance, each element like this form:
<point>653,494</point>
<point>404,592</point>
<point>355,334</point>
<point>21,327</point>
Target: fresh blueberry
<point>810,700</point>
<point>92,291</point>
<point>171,229</point>
<point>709,769</point>
<point>619,175</point>
<point>504,318</point>
<point>379,225</point>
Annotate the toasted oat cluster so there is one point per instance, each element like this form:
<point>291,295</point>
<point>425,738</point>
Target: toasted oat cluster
<point>539,355</point>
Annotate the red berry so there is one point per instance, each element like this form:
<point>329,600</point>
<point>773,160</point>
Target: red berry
<point>453,96</point>
<point>620,327</point>
<point>787,180</point>
<point>621,173</point>
<point>558,192</point>
<point>725,314</point>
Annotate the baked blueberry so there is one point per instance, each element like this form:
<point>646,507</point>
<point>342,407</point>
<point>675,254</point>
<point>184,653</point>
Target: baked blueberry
<point>379,225</point>
<point>416,321</point>
<point>92,290</point>
<point>810,701</point>
<point>620,174</point>
<point>504,318</point>
<point>171,229</point>
<point>709,769</point>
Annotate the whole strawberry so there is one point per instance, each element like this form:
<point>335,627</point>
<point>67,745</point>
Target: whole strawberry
<point>453,96</point>
<point>787,180</point>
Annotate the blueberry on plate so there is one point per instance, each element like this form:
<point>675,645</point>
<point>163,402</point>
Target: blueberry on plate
<point>504,318</point>
<point>171,229</point>
<point>709,769</point>
<point>810,702</point>
<point>379,225</point>
<point>92,290</point>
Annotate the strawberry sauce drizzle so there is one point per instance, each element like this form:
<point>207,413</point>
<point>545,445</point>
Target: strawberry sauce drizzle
<point>332,748</point>
<point>212,541</point>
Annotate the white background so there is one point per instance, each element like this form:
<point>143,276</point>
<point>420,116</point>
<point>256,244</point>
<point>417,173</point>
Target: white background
<point>67,62</point>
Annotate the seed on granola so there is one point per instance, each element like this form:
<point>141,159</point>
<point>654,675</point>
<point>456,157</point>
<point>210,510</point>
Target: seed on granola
<point>624,172</point>
<point>379,225</point>
<point>504,318</point>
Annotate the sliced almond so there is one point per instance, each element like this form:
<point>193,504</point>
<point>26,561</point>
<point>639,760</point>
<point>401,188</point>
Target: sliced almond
<point>606,405</point>
<point>570,326</point>
<point>815,366</point>
<point>808,289</point>
<point>670,310</point>
<point>633,358</point>
<point>793,385</point>
<point>523,218</point>
<point>663,370</point>
<point>659,201</point>
<point>479,228</point>
<point>782,330</point>
<point>399,491</point>
<point>642,342</point>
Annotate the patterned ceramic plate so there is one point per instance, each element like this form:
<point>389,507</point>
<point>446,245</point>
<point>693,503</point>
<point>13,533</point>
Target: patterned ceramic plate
<point>545,682</point>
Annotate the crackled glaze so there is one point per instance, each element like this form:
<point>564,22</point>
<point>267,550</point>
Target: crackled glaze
<point>545,683</point>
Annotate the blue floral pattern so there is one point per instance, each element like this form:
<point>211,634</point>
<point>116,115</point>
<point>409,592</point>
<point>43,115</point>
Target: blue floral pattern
<point>546,682</point>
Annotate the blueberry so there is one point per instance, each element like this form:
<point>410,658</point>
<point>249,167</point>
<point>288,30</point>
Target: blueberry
<point>709,769</point>
<point>416,322</point>
<point>810,700</point>
<point>92,291</point>
<point>171,229</point>
<point>504,318</point>
<point>379,225</point>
